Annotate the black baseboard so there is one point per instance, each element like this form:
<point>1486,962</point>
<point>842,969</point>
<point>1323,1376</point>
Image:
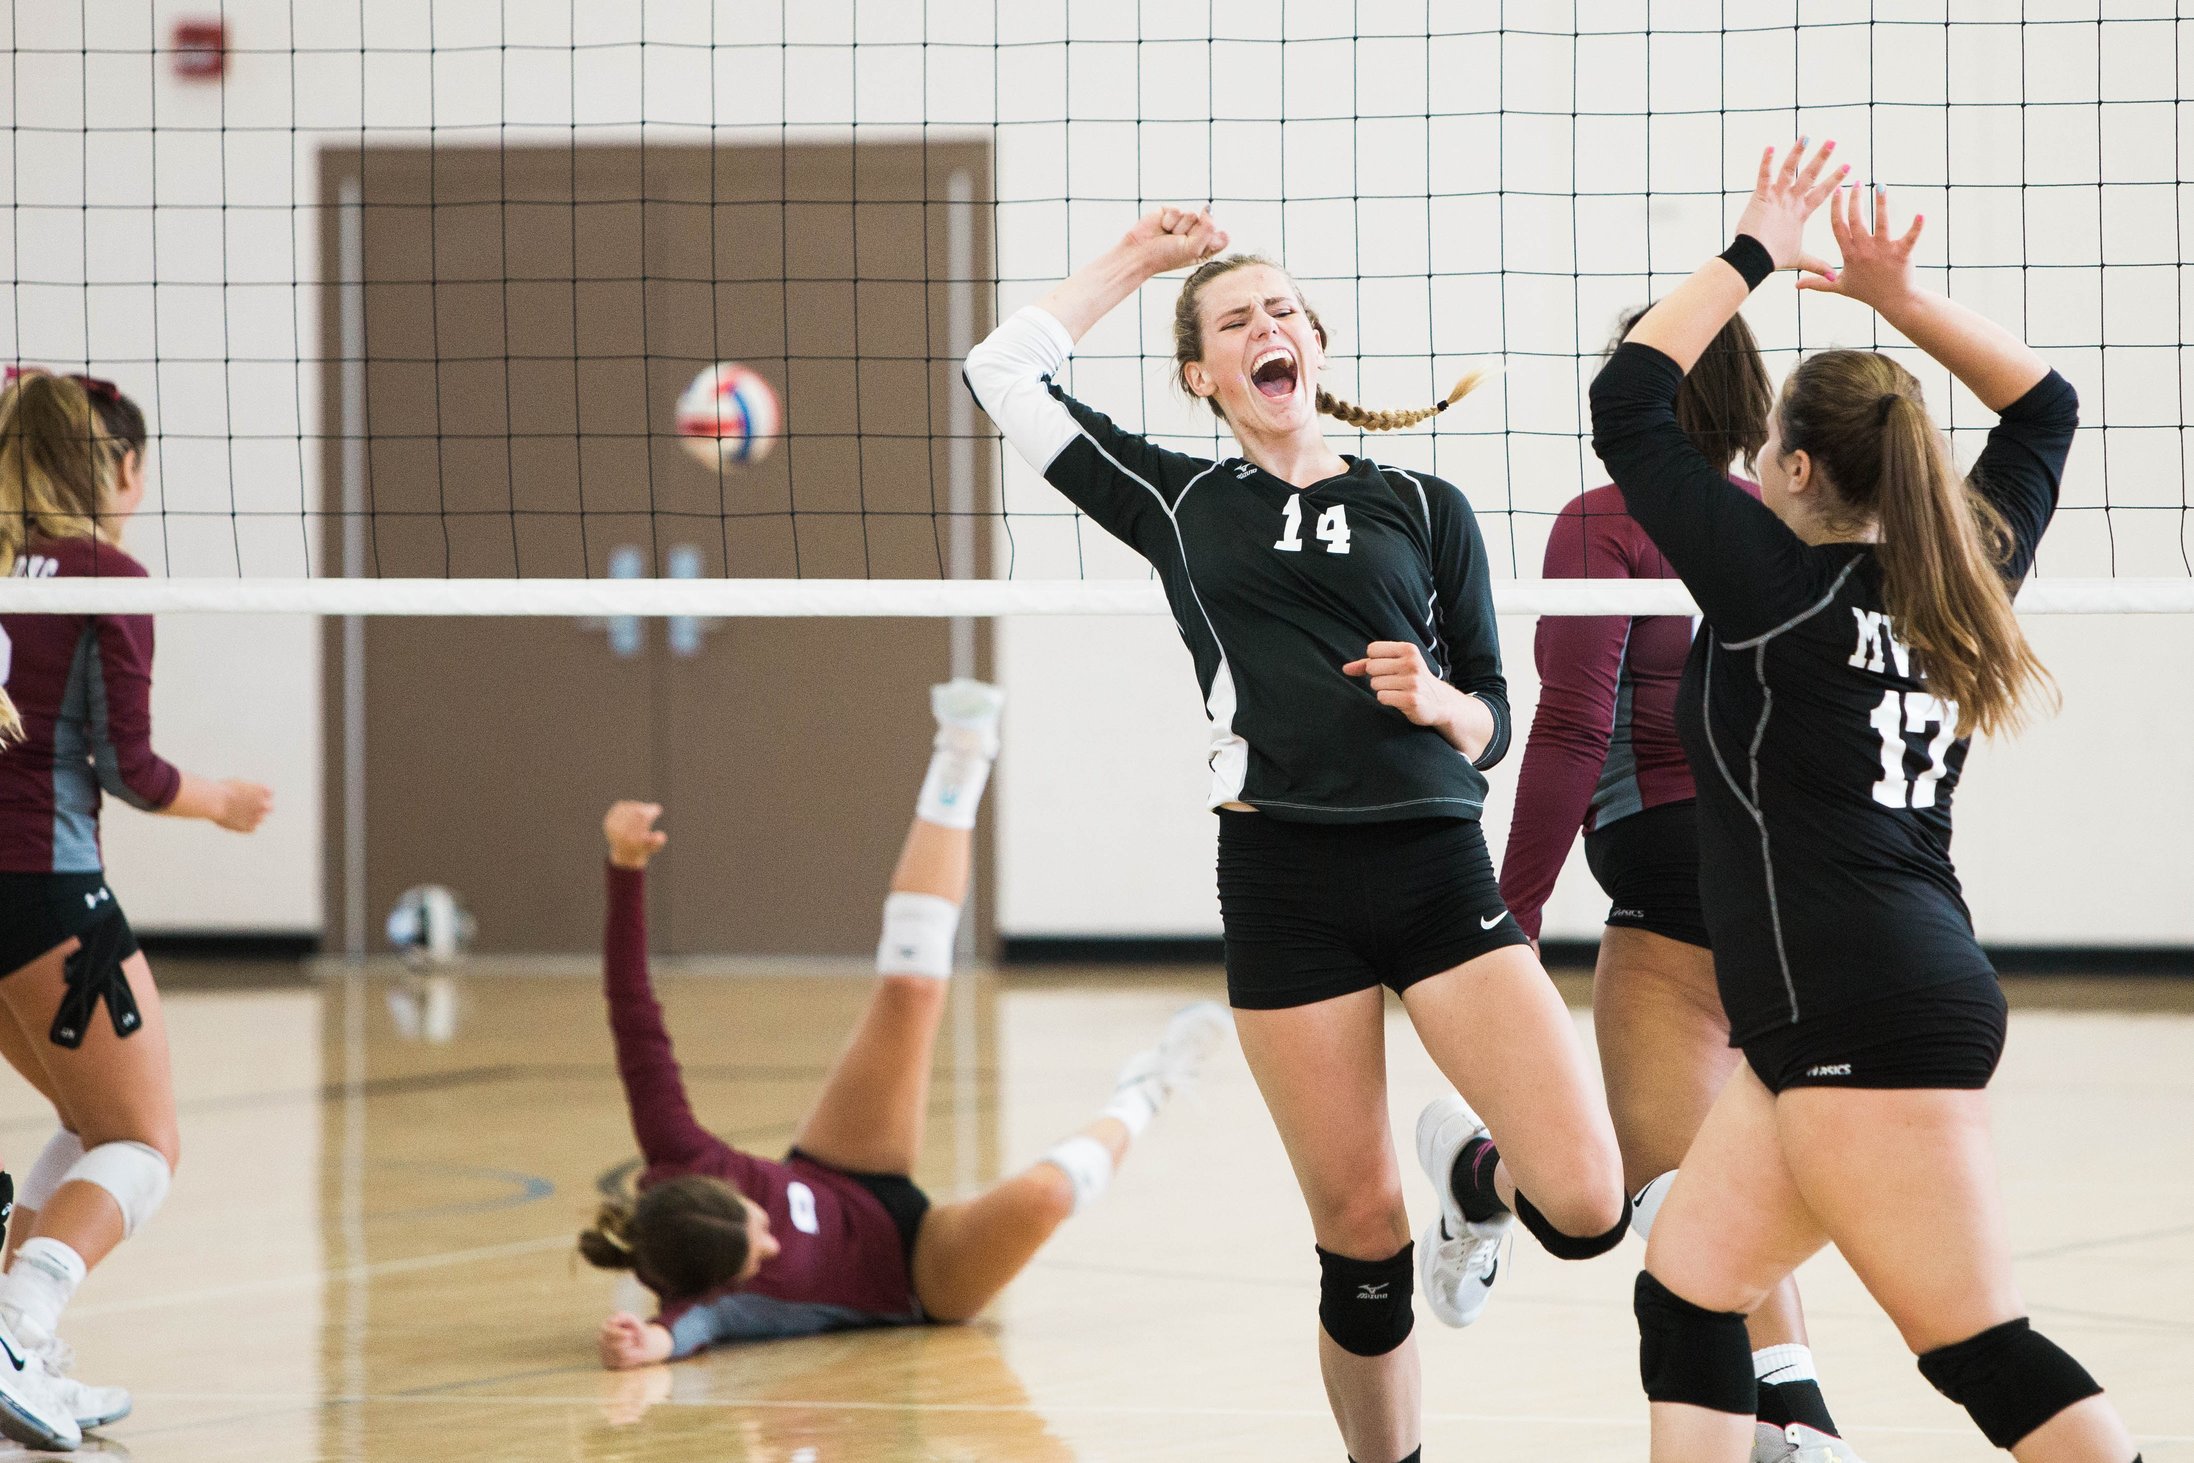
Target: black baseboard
<point>287,945</point>
<point>1572,954</point>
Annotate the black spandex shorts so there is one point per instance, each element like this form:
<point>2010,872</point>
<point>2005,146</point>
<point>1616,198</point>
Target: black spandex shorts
<point>1318,910</point>
<point>905,1203</point>
<point>1648,865</point>
<point>1946,1036</point>
<point>40,911</point>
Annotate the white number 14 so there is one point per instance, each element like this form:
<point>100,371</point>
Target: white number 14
<point>1912,711</point>
<point>1332,527</point>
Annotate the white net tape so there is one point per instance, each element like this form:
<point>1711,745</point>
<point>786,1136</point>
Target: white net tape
<point>970,598</point>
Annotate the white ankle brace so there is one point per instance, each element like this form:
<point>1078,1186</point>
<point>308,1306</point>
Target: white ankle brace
<point>952,790</point>
<point>1087,1164</point>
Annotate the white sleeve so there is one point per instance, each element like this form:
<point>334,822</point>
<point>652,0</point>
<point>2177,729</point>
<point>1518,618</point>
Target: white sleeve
<point>1007,373</point>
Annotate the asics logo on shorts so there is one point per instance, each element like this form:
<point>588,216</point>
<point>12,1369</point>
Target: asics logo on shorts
<point>1373,1291</point>
<point>1838,1069</point>
<point>91,901</point>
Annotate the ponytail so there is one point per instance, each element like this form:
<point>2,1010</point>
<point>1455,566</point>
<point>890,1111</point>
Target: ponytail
<point>605,1244</point>
<point>1943,546</point>
<point>1942,554</point>
<point>1394,421</point>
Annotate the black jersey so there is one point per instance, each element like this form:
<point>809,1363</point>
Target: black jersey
<point>1825,767</point>
<point>1274,590</point>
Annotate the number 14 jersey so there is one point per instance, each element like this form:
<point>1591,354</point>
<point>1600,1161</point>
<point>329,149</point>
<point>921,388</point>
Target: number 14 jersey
<point>1825,767</point>
<point>1274,590</point>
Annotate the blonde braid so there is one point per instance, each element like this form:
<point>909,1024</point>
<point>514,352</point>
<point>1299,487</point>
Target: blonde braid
<point>1394,421</point>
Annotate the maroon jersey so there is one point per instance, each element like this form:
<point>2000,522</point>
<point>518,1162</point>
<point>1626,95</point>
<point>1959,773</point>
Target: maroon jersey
<point>841,1264</point>
<point>1603,740</point>
<point>83,684</point>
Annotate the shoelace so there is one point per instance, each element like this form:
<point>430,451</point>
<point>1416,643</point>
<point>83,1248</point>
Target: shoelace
<point>1461,1252</point>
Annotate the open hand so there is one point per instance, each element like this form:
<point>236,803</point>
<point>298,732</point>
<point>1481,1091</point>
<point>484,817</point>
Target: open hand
<point>1877,263</point>
<point>1784,198</point>
<point>1397,671</point>
<point>627,1341</point>
<point>1175,238</point>
<point>632,834</point>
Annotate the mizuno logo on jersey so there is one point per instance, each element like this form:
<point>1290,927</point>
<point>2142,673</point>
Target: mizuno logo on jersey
<point>1839,1069</point>
<point>1245,470</point>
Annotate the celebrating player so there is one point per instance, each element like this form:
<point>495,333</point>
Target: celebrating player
<point>1858,629</point>
<point>1603,754</point>
<point>741,1248</point>
<point>1340,617</point>
<point>72,454</point>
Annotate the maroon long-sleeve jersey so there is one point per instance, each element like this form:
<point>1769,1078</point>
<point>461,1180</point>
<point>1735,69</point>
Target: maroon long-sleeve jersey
<point>83,684</point>
<point>841,1264</point>
<point>1603,740</point>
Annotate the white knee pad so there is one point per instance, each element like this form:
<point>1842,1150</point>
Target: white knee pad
<point>51,1170</point>
<point>1647,1204</point>
<point>919,930</point>
<point>134,1173</point>
<point>1087,1164</point>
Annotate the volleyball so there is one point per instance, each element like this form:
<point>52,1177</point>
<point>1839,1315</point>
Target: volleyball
<point>728,417</point>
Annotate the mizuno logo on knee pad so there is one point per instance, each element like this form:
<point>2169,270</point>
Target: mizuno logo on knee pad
<point>1372,1292</point>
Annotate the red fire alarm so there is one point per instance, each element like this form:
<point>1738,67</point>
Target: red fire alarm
<point>201,49</point>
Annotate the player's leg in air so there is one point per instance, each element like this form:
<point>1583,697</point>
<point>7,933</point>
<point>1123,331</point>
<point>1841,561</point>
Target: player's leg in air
<point>866,1125</point>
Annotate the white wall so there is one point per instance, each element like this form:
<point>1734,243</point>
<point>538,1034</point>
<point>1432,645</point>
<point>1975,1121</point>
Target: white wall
<point>1444,199</point>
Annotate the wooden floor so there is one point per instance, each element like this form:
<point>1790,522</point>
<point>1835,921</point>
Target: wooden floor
<point>368,1250</point>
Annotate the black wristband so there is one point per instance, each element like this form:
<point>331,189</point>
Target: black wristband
<point>1749,257</point>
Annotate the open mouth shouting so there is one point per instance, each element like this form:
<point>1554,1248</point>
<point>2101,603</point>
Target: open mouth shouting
<point>1275,373</point>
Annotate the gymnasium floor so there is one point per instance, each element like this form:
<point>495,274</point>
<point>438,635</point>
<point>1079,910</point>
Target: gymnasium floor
<point>367,1253</point>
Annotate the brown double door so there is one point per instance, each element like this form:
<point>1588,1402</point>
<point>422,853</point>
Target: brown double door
<point>522,322</point>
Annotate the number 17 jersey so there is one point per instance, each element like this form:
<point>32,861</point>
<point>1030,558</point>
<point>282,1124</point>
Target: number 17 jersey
<point>1274,590</point>
<point>1825,765</point>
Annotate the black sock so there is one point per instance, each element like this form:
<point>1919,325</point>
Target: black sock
<point>1471,1182</point>
<point>1783,1403</point>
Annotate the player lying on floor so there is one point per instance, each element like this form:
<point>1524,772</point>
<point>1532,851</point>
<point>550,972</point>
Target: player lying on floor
<point>835,1234</point>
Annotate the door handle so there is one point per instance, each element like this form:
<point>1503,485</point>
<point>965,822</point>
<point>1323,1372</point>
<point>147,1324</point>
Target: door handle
<point>628,635</point>
<point>685,631</point>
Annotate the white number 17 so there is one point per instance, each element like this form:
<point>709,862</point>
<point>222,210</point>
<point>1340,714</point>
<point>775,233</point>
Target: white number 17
<point>1912,711</point>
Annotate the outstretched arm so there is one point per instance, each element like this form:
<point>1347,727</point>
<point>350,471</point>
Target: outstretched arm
<point>1747,571</point>
<point>655,1092</point>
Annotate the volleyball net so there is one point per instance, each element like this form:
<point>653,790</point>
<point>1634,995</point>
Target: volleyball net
<point>411,293</point>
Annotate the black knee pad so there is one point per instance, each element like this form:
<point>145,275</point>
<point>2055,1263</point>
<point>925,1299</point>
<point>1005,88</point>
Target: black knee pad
<point>1568,1246</point>
<point>2010,1378</point>
<point>1364,1304</point>
<point>1692,1355</point>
